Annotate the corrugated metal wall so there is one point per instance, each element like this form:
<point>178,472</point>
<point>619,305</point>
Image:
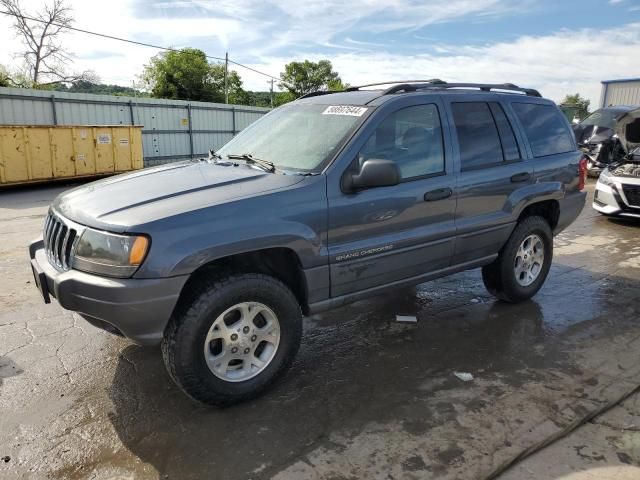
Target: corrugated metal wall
<point>620,93</point>
<point>172,129</point>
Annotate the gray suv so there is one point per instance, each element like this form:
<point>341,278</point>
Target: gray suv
<point>324,201</point>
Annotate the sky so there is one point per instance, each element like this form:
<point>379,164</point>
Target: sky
<point>557,47</point>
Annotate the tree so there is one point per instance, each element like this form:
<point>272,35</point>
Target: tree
<point>259,99</point>
<point>45,58</point>
<point>280,98</point>
<point>187,75</point>
<point>5,80</point>
<point>578,101</point>
<point>237,95</point>
<point>300,78</point>
<point>182,75</point>
<point>82,86</point>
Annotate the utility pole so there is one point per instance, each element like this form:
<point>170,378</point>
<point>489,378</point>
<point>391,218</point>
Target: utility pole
<point>226,76</point>
<point>271,93</point>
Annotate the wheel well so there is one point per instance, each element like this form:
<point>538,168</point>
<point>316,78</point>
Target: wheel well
<point>281,263</point>
<point>547,209</point>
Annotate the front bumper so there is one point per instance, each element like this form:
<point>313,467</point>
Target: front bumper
<point>608,201</point>
<point>138,308</point>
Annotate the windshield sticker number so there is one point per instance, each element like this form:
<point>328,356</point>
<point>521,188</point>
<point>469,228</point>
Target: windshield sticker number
<point>345,110</point>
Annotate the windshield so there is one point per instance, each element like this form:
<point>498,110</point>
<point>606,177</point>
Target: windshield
<point>602,118</point>
<point>297,137</point>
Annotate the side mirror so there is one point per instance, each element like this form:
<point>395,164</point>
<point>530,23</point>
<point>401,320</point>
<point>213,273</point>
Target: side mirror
<point>375,172</point>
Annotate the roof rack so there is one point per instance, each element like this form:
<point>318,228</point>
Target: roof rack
<point>318,93</point>
<point>407,86</point>
<point>485,87</point>
<point>434,81</point>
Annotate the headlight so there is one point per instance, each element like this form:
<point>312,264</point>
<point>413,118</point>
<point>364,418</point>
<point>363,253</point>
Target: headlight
<point>110,254</point>
<point>606,179</point>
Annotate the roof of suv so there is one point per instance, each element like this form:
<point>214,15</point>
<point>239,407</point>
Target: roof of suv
<point>360,96</point>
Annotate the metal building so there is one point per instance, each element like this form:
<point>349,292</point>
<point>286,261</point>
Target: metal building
<point>172,129</point>
<point>620,92</point>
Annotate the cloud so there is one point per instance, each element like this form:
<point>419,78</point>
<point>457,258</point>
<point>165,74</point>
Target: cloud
<point>558,64</point>
<point>279,24</point>
<point>251,29</point>
<point>268,34</point>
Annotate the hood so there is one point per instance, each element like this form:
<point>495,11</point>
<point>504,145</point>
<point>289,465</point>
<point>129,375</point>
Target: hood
<point>122,202</point>
<point>628,130</point>
<point>586,134</point>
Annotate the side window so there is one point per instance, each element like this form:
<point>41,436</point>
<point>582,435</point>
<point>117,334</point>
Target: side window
<point>545,128</point>
<point>477,135</point>
<point>510,150</point>
<point>412,137</point>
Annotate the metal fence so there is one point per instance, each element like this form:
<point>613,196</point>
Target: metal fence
<point>172,129</point>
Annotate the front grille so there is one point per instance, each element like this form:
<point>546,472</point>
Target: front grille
<point>632,192</point>
<point>59,241</point>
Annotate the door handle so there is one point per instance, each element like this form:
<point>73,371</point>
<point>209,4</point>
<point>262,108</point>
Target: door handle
<point>439,194</point>
<point>521,177</point>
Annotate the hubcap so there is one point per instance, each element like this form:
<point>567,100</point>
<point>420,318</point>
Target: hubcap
<point>529,260</point>
<point>242,341</point>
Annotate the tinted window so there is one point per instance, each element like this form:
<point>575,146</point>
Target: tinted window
<point>477,135</point>
<point>510,150</point>
<point>412,137</point>
<point>545,127</point>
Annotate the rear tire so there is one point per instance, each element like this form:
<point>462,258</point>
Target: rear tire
<point>234,339</point>
<point>523,263</point>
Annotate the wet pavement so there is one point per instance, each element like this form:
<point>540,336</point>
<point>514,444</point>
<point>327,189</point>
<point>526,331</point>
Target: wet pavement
<point>605,448</point>
<point>366,398</point>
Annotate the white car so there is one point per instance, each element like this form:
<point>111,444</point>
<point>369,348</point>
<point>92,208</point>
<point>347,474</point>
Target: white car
<point>618,188</point>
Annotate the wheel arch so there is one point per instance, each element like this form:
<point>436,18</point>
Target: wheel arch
<point>548,209</point>
<point>279,262</point>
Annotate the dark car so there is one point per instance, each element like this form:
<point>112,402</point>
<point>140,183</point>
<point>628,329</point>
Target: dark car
<point>596,137</point>
<point>324,201</point>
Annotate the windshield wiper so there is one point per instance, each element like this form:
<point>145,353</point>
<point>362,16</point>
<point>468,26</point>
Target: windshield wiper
<point>213,157</point>
<point>247,157</point>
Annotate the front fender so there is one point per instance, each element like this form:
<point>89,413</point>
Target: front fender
<point>299,238</point>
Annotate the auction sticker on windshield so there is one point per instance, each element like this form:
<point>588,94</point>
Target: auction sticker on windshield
<point>345,110</point>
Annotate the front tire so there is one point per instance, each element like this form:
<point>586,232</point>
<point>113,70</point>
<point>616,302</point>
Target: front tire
<point>523,263</point>
<point>236,336</point>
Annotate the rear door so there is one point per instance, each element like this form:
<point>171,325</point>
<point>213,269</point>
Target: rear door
<point>492,166</point>
<point>381,235</point>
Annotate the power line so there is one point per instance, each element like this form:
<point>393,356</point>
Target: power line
<point>134,42</point>
<point>254,70</point>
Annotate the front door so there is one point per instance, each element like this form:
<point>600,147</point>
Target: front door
<point>381,235</point>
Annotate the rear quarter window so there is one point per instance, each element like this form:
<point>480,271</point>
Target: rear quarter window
<point>545,128</point>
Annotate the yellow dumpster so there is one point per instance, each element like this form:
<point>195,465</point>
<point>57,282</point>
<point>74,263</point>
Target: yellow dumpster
<point>42,153</point>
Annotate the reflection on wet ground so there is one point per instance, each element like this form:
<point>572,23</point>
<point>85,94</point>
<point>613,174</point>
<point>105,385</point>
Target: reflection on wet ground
<point>357,365</point>
<point>367,397</point>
